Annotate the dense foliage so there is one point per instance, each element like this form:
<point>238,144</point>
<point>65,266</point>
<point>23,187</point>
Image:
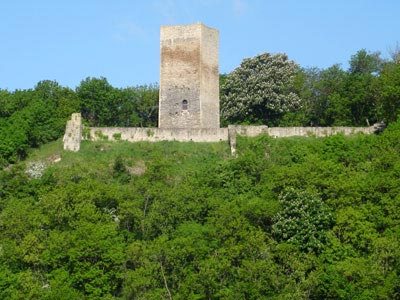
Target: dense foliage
<point>33,117</point>
<point>260,89</point>
<point>104,105</point>
<point>295,218</point>
<point>269,89</point>
<point>30,118</point>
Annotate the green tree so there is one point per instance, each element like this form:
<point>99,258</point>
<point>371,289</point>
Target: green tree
<point>147,105</point>
<point>360,96</point>
<point>33,117</point>
<point>126,113</point>
<point>138,106</point>
<point>388,93</point>
<point>364,62</point>
<point>395,53</point>
<point>98,103</point>
<point>5,99</point>
<point>303,220</point>
<point>60,100</point>
<point>326,100</point>
<point>364,70</point>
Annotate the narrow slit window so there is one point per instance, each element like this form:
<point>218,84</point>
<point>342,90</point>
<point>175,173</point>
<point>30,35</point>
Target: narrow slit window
<point>184,104</point>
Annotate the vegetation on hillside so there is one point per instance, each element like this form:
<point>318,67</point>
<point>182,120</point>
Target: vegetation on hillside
<point>30,118</point>
<point>271,90</point>
<point>294,218</point>
<point>267,89</point>
<point>291,218</point>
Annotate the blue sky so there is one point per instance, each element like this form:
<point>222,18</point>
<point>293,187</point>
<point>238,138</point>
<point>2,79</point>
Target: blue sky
<point>69,40</point>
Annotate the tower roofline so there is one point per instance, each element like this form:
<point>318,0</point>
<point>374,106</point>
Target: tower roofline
<point>189,25</point>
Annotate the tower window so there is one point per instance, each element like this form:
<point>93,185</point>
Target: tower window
<point>184,104</point>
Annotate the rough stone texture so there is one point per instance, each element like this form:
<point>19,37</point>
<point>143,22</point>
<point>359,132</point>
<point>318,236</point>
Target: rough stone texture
<point>279,132</point>
<point>189,71</point>
<point>234,130</point>
<point>250,130</point>
<point>158,134</point>
<point>232,138</point>
<point>317,131</point>
<point>73,133</point>
<point>216,134</point>
<point>189,99</point>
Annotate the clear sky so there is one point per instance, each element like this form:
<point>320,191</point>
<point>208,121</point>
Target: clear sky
<point>69,40</point>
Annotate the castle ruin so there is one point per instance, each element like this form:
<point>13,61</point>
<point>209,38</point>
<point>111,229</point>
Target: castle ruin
<point>189,77</point>
<point>189,99</point>
<point>73,133</point>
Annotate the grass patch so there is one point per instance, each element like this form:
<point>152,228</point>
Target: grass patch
<point>46,152</point>
<point>96,159</point>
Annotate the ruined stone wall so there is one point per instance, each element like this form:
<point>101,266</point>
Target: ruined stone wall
<point>316,131</point>
<point>189,72</point>
<point>280,132</point>
<point>158,134</point>
<point>137,134</point>
<point>250,131</point>
<point>73,133</point>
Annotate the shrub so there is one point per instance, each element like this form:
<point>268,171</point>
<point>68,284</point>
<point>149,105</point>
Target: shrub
<point>303,220</point>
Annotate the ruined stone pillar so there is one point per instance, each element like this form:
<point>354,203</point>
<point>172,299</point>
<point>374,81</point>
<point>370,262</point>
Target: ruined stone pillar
<point>73,133</point>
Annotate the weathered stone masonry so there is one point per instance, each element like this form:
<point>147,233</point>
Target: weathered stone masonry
<point>73,133</point>
<point>218,134</point>
<point>189,77</point>
<point>189,99</point>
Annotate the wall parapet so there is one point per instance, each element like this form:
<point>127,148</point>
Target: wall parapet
<point>139,134</point>
<point>317,131</point>
<point>73,133</point>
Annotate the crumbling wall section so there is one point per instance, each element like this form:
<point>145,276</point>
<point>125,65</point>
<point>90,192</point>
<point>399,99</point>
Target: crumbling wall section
<point>137,134</point>
<point>250,131</point>
<point>280,132</point>
<point>73,133</point>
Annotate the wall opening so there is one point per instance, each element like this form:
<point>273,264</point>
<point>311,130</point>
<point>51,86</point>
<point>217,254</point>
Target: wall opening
<point>184,104</point>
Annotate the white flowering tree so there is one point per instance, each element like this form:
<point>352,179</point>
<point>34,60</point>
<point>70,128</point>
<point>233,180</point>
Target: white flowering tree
<point>260,90</point>
<point>303,220</point>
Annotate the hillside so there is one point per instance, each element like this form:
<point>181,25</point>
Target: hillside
<point>293,218</point>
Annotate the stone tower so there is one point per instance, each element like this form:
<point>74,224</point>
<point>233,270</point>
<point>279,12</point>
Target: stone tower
<point>189,77</point>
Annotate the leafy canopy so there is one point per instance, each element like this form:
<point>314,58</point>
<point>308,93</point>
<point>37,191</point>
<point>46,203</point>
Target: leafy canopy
<point>260,90</point>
